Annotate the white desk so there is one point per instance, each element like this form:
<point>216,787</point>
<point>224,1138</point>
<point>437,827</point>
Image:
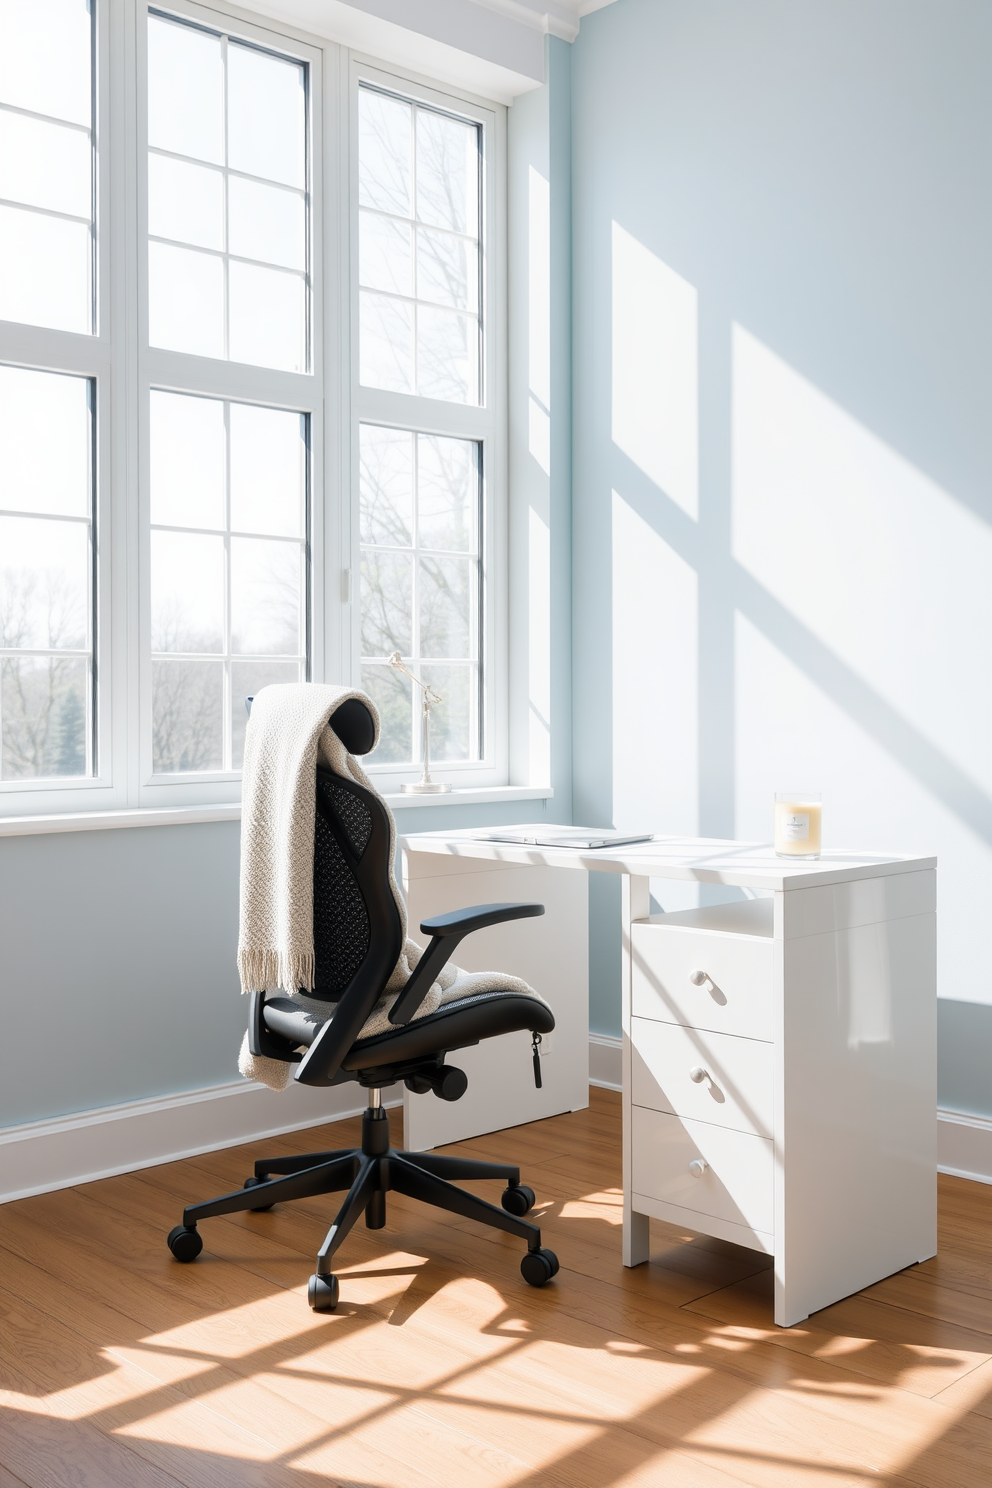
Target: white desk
<point>811,1130</point>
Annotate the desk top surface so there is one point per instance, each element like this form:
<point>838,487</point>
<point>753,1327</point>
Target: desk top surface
<point>703,859</point>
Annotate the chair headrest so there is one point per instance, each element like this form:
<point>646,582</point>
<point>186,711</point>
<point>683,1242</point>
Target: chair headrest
<point>354,726</point>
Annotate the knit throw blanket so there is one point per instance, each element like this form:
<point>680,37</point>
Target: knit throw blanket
<point>287,738</point>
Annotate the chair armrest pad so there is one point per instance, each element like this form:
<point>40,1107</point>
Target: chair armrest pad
<point>461,922</point>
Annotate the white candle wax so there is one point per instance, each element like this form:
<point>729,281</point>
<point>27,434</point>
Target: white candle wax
<point>798,819</point>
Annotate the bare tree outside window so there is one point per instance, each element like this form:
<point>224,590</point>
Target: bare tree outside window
<point>46,561</point>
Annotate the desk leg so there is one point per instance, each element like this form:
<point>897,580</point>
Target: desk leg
<point>636,905</point>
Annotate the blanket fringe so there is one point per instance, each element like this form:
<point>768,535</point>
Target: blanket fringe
<point>264,971</point>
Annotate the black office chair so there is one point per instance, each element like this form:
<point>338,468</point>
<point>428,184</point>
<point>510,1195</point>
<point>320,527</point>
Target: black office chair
<point>357,943</point>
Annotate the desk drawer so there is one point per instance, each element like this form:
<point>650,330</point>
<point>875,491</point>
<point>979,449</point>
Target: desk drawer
<point>735,1092</point>
<point>736,1184</point>
<point>734,998</point>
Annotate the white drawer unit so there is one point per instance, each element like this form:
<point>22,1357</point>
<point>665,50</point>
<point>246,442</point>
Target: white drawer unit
<point>717,977</point>
<point>715,1172</point>
<point>779,1085</point>
<point>704,1076</point>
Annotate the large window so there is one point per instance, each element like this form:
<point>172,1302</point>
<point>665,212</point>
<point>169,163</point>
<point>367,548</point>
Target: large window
<point>236,449</point>
<point>426,437</point>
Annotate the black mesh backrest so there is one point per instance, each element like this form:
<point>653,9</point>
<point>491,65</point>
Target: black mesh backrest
<point>357,931</point>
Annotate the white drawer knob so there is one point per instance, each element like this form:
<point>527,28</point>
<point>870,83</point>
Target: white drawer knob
<point>698,1167</point>
<point>697,1075</point>
<point>697,978</point>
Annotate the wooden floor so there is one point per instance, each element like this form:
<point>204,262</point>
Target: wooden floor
<point>120,1368</point>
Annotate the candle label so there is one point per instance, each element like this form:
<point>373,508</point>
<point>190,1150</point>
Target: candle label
<point>795,826</point>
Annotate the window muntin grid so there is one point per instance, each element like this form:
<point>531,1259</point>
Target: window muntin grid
<point>421,588</point>
<point>47,164</point>
<point>228,198</point>
<point>420,249</point>
<point>229,586</point>
<point>47,591</point>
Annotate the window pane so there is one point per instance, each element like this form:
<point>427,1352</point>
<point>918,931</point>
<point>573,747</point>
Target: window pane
<point>447,269</point>
<point>45,165</point>
<point>266,101</point>
<point>185,90</point>
<point>447,604</point>
<point>45,269</point>
<point>240,467</point>
<point>447,493</point>
<point>44,584</point>
<point>185,202</point>
<point>187,716</point>
<point>268,317</point>
<point>392,694</point>
<point>385,127</point>
<point>386,342</point>
<point>43,716</point>
<point>39,473</point>
<point>249,117</point>
<point>453,721</point>
<point>268,471</point>
<point>447,355</point>
<point>447,172</point>
<point>436,480</point>
<point>247,680</point>
<point>386,486</point>
<point>45,52</point>
<point>387,620</point>
<point>187,592</point>
<point>185,300</point>
<point>266,594</point>
<point>384,259</point>
<point>187,461</point>
<point>268,223</point>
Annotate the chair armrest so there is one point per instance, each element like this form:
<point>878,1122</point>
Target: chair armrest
<point>446,930</point>
<point>462,922</point>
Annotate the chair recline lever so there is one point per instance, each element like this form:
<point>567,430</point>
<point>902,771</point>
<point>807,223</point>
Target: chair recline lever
<point>446,930</point>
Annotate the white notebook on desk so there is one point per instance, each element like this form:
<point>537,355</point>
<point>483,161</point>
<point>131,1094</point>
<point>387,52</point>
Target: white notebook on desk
<point>538,835</point>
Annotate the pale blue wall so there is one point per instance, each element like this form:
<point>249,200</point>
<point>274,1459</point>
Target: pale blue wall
<point>117,960</point>
<point>815,183</point>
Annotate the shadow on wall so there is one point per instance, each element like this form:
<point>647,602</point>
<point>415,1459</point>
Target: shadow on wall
<point>782,514</point>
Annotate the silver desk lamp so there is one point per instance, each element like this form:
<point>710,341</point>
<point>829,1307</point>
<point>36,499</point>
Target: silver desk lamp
<point>425,786</point>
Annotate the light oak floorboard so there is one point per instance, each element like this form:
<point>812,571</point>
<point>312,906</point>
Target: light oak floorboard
<point>118,1366</point>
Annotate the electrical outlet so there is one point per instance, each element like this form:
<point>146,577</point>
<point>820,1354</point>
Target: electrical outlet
<point>545,1045</point>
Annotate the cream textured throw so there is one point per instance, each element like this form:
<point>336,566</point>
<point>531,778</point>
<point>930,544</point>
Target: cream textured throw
<point>287,737</point>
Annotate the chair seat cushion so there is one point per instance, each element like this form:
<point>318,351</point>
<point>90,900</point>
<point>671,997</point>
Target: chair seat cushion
<point>464,1021</point>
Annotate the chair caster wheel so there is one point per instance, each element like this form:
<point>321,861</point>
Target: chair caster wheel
<point>259,1208</point>
<point>538,1267</point>
<point>519,1200</point>
<point>185,1242</point>
<point>323,1293</point>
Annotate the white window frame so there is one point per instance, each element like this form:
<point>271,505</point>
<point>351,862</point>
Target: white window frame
<point>182,372</point>
<point>124,370</point>
<point>39,348</point>
<point>486,424</point>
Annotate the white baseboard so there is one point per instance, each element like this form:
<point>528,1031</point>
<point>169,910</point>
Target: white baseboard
<point>964,1145</point>
<point>605,1061</point>
<point>44,1155</point>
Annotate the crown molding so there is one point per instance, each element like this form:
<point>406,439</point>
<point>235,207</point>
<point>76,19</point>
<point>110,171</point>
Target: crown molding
<point>494,48</point>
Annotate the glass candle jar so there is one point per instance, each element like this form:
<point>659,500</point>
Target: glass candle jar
<point>797,823</point>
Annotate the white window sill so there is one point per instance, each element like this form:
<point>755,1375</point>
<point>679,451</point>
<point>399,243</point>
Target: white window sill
<point>165,816</point>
